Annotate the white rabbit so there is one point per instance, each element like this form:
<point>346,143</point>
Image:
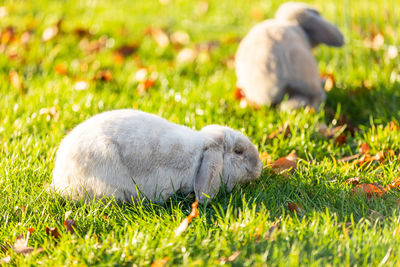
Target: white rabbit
<point>275,59</point>
<point>129,154</point>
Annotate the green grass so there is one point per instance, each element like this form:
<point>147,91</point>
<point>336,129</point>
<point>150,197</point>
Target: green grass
<point>335,227</point>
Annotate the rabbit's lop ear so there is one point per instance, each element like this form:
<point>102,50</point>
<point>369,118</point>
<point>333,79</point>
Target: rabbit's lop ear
<point>320,30</point>
<point>207,181</point>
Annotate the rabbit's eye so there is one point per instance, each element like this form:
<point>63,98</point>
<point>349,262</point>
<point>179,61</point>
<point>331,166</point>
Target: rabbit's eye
<point>238,151</point>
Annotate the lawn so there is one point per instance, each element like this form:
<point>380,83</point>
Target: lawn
<point>61,62</point>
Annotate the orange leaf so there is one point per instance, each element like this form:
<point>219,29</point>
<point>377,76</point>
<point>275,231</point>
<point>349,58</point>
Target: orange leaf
<point>239,95</point>
<point>364,148</point>
<point>185,223</point>
<point>61,69</point>
<point>285,163</point>
<point>393,126</point>
<point>369,190</point>
<point>266,158</point>
<point>328,80</point>
<point>104,75</point>
<point>285,129</point>
<point>160,263</point>
<point>395,184</point>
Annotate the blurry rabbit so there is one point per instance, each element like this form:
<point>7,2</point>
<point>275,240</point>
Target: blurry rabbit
<point>130,153</point>
<point>274,59</point>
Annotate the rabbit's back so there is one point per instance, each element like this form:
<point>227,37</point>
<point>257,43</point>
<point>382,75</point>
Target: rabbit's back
<point>112,153</point>
<point>267,60</point>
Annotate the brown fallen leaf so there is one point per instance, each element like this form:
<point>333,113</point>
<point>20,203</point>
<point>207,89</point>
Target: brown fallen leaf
<point>328,80</point>
<point>353,180</point>
<point>21,244</point>
<point>394,185</point>
<point>369,190</point>
<point>82,32</point>
<point>231,258</point>
<point>93,46</point>
<point>53,232</point>
<point>61,69</point>
<point>295,207</point>
<point>179,39</point>
<point>287,163</point>
<point>104,75</point>
<point>266,158</point>
<point>159,36</point>
<point>392,126</point>
<point>145,85</point>
<point>285,129</point>
<point>70,225</point>
<point>160,263</point>
<point>340,140</point>
<point>239,95</point>
<point>364,148</point>
<point>185,223</point>
<point>349,158</point>
<point>186,55</point>
<point>126,50</point>
<point>16,81</point>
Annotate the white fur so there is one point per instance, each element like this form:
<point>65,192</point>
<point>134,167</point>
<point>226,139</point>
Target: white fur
<point>120,153</point>
<point>275,59</point>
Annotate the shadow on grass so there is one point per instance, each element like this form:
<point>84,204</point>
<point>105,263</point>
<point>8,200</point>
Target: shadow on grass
<point>359,104</point>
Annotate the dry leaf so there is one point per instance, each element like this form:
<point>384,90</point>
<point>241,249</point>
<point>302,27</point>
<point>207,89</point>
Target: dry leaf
<point>266,158</point>
<point>349,158</point>
<point>285,129</point>
<point>392,126</point>
<point>70,225</point>
<point>395,184</point>
<point>145,85</point>
<point>287,163</point>
<point>369,190</point>
<point>239,95</point>
<point>364,148</point>
<point>93,46</point>
<point>104,75</point>
<point>340,140</point>
<point>82,32</point>
<point>160,263</point>
<point>185,223</point>
<point>126,50</point>
<point>16,81</point>
<point>295,207</point>
<point>328,80</point>
<point>21,244</point>
<point>53,232</point>
<point>231,258</point>
<point>353,180</point>
<point>159,36</point>
<point>61,69</point>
